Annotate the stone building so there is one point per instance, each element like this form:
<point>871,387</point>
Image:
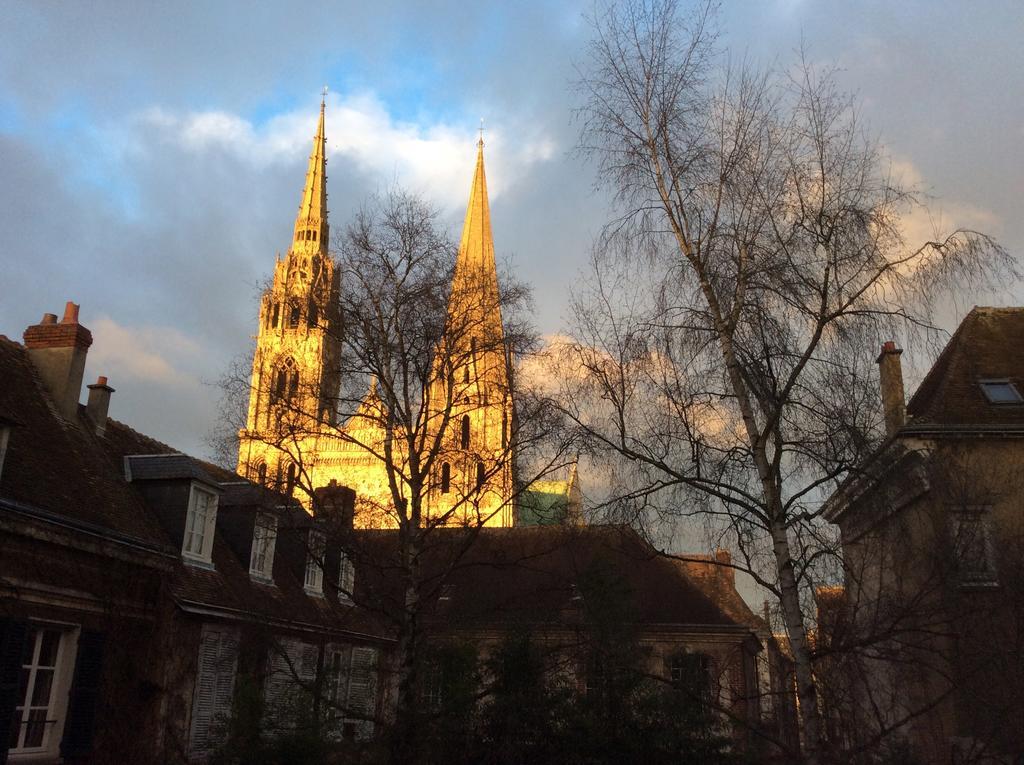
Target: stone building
<point>142,589</point>
<point>927,633</point>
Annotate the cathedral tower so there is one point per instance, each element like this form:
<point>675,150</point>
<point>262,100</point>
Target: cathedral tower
<point>473,382</point>
<point>293,386</point>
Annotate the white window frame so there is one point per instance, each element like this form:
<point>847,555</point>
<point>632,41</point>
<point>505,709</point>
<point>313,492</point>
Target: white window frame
<point>60,686</point>
<point>979,517</point>
<point>346,578</point>
<point>313,581</point>
<point>264,542</point>
<point>202,557</point>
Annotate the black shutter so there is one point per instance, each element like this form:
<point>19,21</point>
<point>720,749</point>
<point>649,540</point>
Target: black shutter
<point>12,641</point>
<point>78,728</point>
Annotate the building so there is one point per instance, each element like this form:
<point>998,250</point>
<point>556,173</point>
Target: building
<point>141,589</point>
<point>928,628</point>
<point>293,436</point>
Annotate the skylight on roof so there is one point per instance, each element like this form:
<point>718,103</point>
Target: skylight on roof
<point>1001,392</point>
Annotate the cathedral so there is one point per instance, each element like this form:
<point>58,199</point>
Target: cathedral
<point>295,440</point>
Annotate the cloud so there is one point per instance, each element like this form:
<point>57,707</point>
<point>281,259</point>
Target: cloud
<point>937,217</point>
<point>434,157</point>
<point>151,354</point>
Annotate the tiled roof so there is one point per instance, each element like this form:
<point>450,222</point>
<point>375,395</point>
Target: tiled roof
<point>59,466</point>
<point>68,472</point>
<point>552,575</point>
<point>988,344</point>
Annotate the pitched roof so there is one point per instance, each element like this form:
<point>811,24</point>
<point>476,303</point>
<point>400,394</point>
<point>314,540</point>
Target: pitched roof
<point>554,576</point>
<point>987,345</point>
<point>58,466</point>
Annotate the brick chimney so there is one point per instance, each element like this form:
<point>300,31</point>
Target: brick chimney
<point>99,403</point>
<point>725,569</point>
<point>335,504</point>
<point>890,373</point>
<point>58,352</point>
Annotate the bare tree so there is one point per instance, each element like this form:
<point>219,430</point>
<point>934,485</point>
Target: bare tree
<point>419,405</point>
<point>724,348</point>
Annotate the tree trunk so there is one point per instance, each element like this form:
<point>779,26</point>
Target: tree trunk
<point>789,599</point>
<point>406,728</point>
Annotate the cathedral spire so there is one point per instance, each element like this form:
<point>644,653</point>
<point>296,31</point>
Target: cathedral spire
<point>475,269</point>
<point>311,221</point>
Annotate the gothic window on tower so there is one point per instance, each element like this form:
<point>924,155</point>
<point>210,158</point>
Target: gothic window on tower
<point>480,475</point>
<point>261,474</point>
<point>314,314</point>
<point>293,385</point>
<point>446,477</point>
<point>465,431</point>
<point>289,487</point>
<point>294,314</point>
<point>277,315</point>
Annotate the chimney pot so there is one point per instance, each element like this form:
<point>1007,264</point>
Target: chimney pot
<point>49,318</point>
<point>70,313</point>
<point>98,403</point>
<point>890,374</point>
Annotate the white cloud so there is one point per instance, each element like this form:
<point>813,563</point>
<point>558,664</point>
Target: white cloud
<point>149,353</point>
<point>435,159</point>
<point>941,216</point>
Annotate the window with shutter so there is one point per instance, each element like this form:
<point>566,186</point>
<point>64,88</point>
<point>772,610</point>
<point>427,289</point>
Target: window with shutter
<point>362,693</point>
<point>13,634</point>
<point>290,676</point>
<point>85,687</point>
<point>214,689</point>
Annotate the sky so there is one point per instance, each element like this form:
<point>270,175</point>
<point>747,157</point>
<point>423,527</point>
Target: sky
<point>152,154</point>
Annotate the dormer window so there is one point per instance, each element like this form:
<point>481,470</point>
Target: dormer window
<point>264,539</point>
<point>346,578</point>
<point>1001,392</point>
<point>314,579</point>
<point>200,521</point>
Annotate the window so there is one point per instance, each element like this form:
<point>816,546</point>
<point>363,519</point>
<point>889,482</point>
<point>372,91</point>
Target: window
<point>215,686</point>
<point>972,545</point>
<point>690,673</point>
<point>314,313</point>
<point>465,374</point>
<point>446,477</point>
<point>465,431</point>
<point>261,474</point>
<point>289,486</point>
<point>36,724</point>
<point>291,673</point>
<point>277,315</point>
<point>432,686</point>
<point>200,522</point>
<point>294,314</point>
<point>293,385</point>
<point>314,580</point>
<point>264,539</point>
<point>480,475</point>
<point>1001,392</point>
<point>346,578</point>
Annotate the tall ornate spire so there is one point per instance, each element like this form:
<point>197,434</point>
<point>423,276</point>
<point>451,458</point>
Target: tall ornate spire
<point>311,221</point>
<point>475,268</point>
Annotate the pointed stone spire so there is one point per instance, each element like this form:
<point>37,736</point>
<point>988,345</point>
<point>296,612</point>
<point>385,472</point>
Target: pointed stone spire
<point>311,221</point>
<point>476,275</point>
